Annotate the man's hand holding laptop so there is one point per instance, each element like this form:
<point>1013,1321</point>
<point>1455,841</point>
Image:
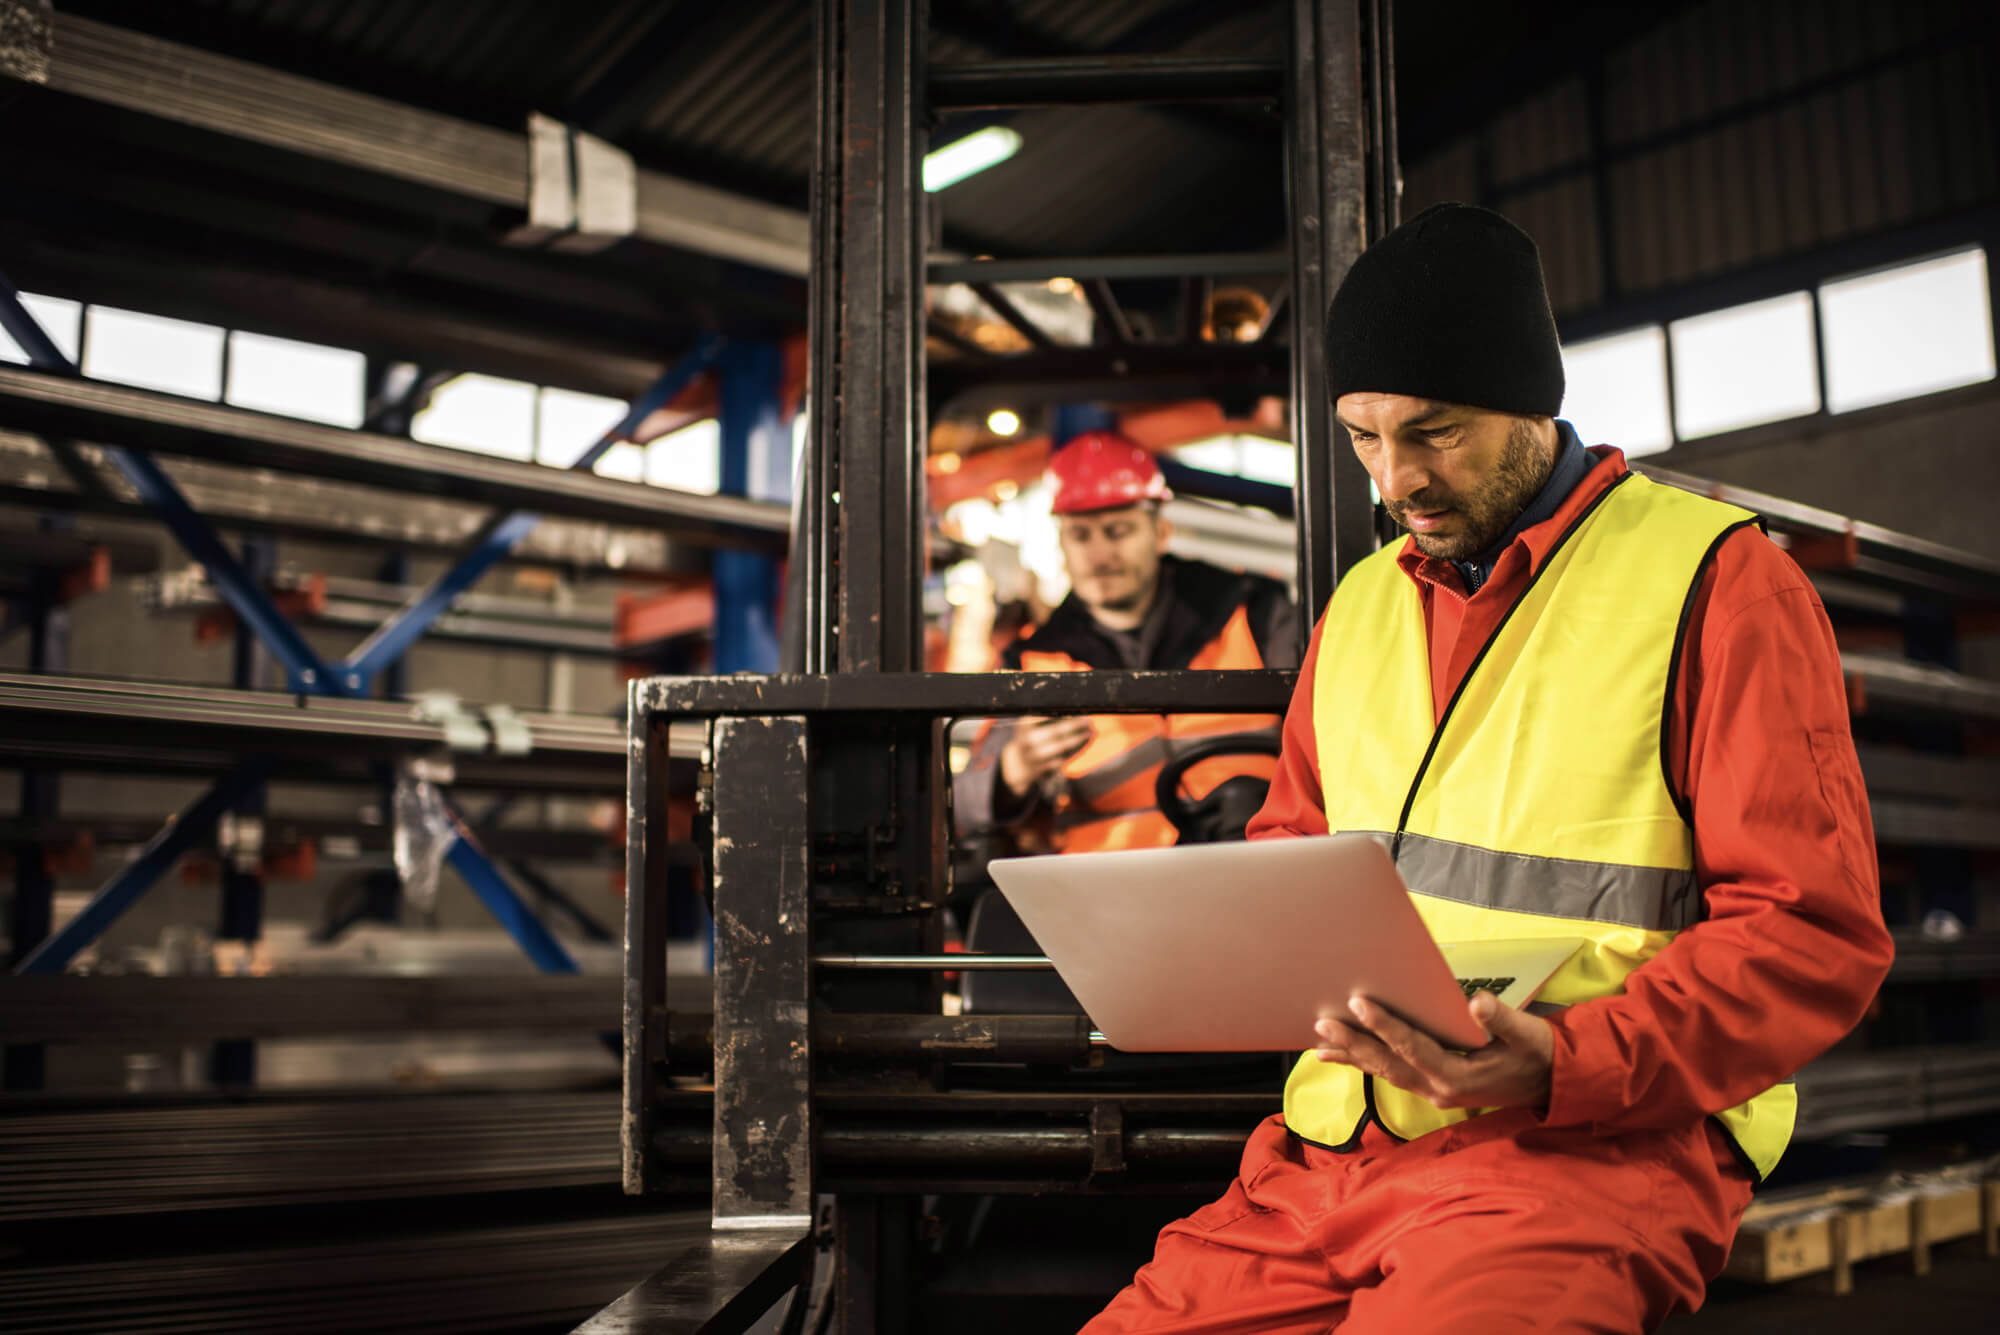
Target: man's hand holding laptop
<point>1510,1072</point>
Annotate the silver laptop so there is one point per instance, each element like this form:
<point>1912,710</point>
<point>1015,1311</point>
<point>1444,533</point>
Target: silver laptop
<point>1241,947</point>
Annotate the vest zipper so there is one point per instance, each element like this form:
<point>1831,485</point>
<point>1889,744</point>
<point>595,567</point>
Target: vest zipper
<point>1451,705</point>
<point>1369,1112</point>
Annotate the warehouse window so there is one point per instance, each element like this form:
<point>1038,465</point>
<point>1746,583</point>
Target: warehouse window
<point>1616,390</point>
<point>480,413</point>
<point>61,320</point>
<point>153,352</point>
<point>689,459</point>
<point>1911,330</point>
<point>308,380</point>
<point>568,423</point>
<point>1745,365</point>
<point>1250,457</point>
<point>624,461</point>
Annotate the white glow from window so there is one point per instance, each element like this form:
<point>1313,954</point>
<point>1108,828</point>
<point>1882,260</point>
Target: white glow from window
<point>153,352</point>
<point>624,461</point>
<point>1023,522</point>
<point>1745,365</point>
<point>1616,391</point>
<point>1250,457</point>
<point>689,459</point>
<point>308,380</point>
<point>1219,455</point>
<point>1269,461</point>
<point>1907,331</point>
<point>969,156</point>
<point>481,413</point>
<point>571,423</point>
<point>61,320</point>
<point>1040,543</point>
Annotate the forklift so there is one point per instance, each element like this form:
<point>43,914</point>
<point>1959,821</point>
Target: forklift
<point>868,1161</point>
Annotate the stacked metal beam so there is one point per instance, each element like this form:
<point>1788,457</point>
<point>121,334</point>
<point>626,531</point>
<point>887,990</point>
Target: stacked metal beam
<point>148,1158</point>
<point>534,1277</point>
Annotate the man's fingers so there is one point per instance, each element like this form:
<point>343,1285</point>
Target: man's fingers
<point>1490,1015</point>
<point>1356,1047</point>
<point>1414,1047</point>
<point>1053,743</point>
<point>1516,1032</point>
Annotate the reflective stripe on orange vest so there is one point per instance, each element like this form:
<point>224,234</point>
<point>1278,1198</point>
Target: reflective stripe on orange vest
<point>1106,798</point>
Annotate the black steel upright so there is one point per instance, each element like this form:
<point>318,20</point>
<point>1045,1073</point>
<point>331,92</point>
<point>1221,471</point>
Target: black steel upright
<point>31,917</point>
<point>865,478</point>
<point>232,1062</point>
<point>1342,186</point>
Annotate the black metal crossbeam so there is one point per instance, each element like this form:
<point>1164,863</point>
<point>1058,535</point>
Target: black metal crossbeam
<point>970,694</point>
<point>1086,80</point>
<point>169,424</point>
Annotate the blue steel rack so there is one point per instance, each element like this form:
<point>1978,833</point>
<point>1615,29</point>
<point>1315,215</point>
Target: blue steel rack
<point>752,422</point>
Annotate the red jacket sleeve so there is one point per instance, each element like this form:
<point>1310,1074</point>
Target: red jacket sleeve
<point>1294,805</point>
<point>1792,947</point>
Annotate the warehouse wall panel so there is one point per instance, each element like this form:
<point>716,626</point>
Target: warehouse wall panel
<point>1735,134</point>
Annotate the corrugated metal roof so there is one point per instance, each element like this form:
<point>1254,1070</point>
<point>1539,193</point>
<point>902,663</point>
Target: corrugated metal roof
<point>723,93</point>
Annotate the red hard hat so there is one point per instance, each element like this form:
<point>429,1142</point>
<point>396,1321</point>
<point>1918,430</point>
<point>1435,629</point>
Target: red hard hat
<point>1101,470</point>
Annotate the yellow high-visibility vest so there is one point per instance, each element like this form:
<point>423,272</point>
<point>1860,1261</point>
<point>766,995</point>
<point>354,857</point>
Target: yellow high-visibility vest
<point>1539,806</point>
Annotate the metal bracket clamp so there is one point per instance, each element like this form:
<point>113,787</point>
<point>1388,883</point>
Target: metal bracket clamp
<point>463,729</point>
<point>583,192</point>
<point>511,736</point>
<point>1107,1138</point>
<point>27,40</point>
<point>239,837</point>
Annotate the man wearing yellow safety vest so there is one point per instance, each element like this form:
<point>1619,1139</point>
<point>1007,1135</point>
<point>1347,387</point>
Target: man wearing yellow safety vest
<point>1574,703</point>
<point>1093,780</point>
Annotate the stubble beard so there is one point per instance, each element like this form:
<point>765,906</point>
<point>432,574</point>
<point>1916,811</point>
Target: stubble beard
<point>1518,475</point>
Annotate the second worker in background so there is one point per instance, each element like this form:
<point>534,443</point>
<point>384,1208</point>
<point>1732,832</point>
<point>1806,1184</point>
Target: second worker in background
<point>1088,784</point>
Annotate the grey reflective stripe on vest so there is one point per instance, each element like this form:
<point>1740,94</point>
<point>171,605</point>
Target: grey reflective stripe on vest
<point>1077,817</point>
<point>1149,754</point>
<point>1120,769</point>
<point>1657,899</point>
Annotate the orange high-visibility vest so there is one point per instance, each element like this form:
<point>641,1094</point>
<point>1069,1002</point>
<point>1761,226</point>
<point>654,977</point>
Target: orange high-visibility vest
<point>1107,794</point>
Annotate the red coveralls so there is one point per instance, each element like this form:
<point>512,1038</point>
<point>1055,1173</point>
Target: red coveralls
<point>1613,1208</point>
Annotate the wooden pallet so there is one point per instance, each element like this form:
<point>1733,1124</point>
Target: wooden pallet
<point>1787,1238</point>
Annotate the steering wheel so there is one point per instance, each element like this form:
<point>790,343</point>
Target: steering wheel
<point>1229,805</point>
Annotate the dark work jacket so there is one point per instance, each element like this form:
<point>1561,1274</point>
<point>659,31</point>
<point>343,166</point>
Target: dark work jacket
<point>1196,606</point>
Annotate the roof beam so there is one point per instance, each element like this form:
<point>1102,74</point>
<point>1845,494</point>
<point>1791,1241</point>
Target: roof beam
<point>1007,36</point>
<point>246,101</point>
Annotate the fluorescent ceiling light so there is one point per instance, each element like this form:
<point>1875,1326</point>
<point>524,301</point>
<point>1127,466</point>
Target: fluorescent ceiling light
<point>969,156</point>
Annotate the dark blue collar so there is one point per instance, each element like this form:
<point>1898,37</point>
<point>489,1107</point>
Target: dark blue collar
<point>1572,462</point>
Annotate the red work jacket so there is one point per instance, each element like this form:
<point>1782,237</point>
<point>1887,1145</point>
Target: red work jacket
<point>1792,946</point>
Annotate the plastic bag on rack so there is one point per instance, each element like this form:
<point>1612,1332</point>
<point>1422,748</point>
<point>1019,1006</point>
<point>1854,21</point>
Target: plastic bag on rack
<point>424,833</point>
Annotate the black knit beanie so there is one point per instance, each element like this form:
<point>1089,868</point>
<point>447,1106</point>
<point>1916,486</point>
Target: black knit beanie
<point>1449,306</point>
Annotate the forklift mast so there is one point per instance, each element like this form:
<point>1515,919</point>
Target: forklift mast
<point>822,1100</point>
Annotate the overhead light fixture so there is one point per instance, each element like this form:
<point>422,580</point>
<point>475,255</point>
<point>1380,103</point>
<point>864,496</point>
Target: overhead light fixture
<point>969,156</point>
<point>1002,423</point>
<point>1235,315</point>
